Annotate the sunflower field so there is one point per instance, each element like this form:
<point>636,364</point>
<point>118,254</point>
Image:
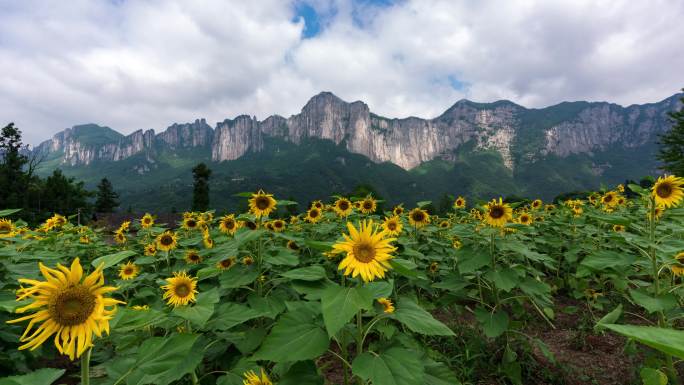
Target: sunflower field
<point>344,293</point>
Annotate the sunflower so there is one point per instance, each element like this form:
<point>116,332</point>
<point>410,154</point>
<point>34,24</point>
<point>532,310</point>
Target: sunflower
<point>6,228</point>
<point>659,211</point>
<point>226,264</point>
<point>150,249</point>
<point>577,211</point>
<point>621,201</point>
<point>247,261</point>
<point>536,204</point>
<point>146,221</point>
<point>180,290</point>
<point>252,378</point>
<point>549,208</point>
<point>392,225</point>
<point>129,270</point>
<point>444,224</point>
<point>460,203</point>
<point>367,249</point>
<point>667,191</point>
<point>278,225</point>
<point>456,243</point>
<point>292,245</point>
<point>387,305</point>
<point>83,239</point>
<point>69,306</point>
<point>434,267</point>
<point>228,224</point>
<point>343,207</point>
<point>620,188</point>
<point>167,241</point>
<point>269,225</point>
<point>618,228</point>
<point>398,210</point>
<point>59,220</point>
<point>120,237</point>
<point>192,257</point>
<point>313,215</point>
<point>317,204</point>
<point>190,223</point>
<point>140,307</point>
<point>498,213</point>
<point>261,204</point>
<point>418,217</point>
<point>368,205</point>
<point>609,199</point>
<point>207,241</point>
<point>251,225</point>
<point>677,267</point>
<point>525,219</point>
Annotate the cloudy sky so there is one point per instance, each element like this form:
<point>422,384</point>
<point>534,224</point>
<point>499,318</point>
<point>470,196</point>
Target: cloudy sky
<point>132,64</point>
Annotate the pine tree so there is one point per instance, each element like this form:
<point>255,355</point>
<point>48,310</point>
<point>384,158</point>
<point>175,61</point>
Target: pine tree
<point>672,144</point>
<point>107,198</point>
<point>200,193</point>
<point>13,179</point>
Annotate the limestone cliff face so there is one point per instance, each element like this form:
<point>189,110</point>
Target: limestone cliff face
<point>564,129</point>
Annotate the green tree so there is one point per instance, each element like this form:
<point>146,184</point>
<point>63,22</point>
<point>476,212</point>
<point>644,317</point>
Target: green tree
<point>64,195</point>
<point>107,198</point>
<point>200,192</point>
<point>672,144</point>
<point>13,178</point>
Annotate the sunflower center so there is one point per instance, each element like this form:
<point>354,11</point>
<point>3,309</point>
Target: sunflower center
<point>392,226</point>
<point>418,217</point>
<point>664,190</point>
<point>262,203</point>
<point>313,213</point>
<point>229,224</point>
<point>343,206</point>
<point>364,252</point>
<point>367,205</point>
<point>251,225</point>
<point>182,290</point>
<point>496,212</point>
<point>278,224</point>
<point>128,271</point>
<point>609,198</point>
<point>5,228</point>
<point>166,240</point>
<point>73,306</point>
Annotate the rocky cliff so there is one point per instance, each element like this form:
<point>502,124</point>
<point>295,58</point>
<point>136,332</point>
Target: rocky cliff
<point>511,130</point>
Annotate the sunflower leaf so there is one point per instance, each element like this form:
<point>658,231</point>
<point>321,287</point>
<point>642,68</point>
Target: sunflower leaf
<point>394,366</point>
<point>339,304</point>
<point>418,320</point>
<point>41,376</point>
<point>309,273</point>
<point>668,341</point>
<point>110,260</point>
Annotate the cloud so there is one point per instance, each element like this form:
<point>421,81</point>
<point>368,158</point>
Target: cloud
<point>146,64</point>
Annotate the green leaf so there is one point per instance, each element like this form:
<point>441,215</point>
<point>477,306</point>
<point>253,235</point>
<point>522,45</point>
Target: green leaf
<point>609,318</point>
<point>436,373</point>
<point>505,279</point>
<point>662,303</point>
<point>7,212</point>
<point>127,319</point>
<point>608,260</point>
<point>228,315</point>
<point>470,260</point>
<point>418,320</point>
<point>395,366</point>
<point>296,336</point>
<point>493,324</point>
<point>162,360</point>
<point>309,273</point>
<point>284,257</point>
<point>113,259</point>
<point>41,376</point>
<point>666,340</point>
<point>238,276</point>
<point>339,304</point>
<point>404,267</point>
<point>651,376</point>
<point>422,204</point>
<point>302,373</point>
<point>201,311</point>
<point>381,289</point>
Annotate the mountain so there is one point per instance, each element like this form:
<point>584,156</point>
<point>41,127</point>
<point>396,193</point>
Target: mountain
<point>478,149</point>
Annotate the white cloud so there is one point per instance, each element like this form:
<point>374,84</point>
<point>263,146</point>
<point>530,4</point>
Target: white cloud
<point>146,64</point>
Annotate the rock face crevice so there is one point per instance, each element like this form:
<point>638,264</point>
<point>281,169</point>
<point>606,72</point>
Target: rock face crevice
<point>408,142</point>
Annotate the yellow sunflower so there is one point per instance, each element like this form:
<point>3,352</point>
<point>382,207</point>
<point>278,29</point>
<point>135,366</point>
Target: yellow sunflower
<point>536,204</point>
<point>343,207</point>
<point>398,210</point>
<point>247,261</point>
<point>387,305</point>
<point>125,226</point>
<point>460,203</point>
<point>180,289</point>
<point>456,243</point>
<point>444,224</point>
<point>226,264</point>
<point>317,204</point>
<point>261,204</point>
<point>434,267</point>
<point>192,257</point>
<point>577,211</point>
<point>278,225</point>
<point>292,245</point>
<point>418,217</point>
<point>147,221</point>
<point>659,211</point>
<point>83,239</point>
<point>392,225</point>
<point>610,199</point>
<point>525,219</point>
<point>167,241</point>
<point>313,215</point>
<point>6,228</point>
<point>128,271</point>
<point>207,241</point>
<point>190,222</point>
<point>228,224</point>
<point>618,228</point>
<point>497,214</point>
<point>150,249</point>
<point>668,191</point>
<point>368,205</point>
<point>252,378</point>
<point>120,237</point>
<point>251,225</point>
<point>677,267</point>
<point>67,305</point>
<point>368,251</point>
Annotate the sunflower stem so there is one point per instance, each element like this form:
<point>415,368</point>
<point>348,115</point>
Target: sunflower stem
<point>85,367</point>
